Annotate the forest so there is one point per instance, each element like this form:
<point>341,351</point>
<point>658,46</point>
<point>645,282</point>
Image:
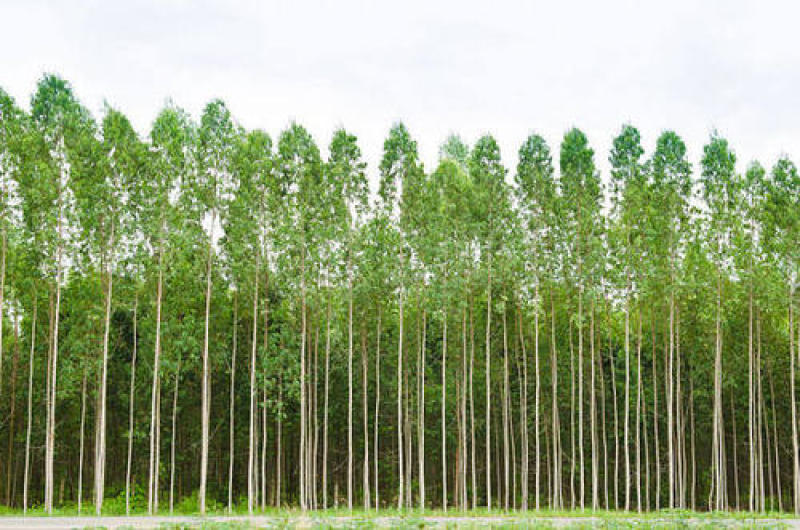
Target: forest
<point>210,319</point>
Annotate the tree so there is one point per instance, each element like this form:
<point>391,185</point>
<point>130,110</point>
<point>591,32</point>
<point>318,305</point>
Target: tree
<point>491,201</point>
<point>720,186</point>
<point>581,191</point>
<point>64,124</point>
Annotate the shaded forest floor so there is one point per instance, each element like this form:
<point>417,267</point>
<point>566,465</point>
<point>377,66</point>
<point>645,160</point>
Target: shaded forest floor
<point>409,519</point>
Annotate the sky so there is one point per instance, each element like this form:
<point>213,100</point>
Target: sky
<point>508,68</point>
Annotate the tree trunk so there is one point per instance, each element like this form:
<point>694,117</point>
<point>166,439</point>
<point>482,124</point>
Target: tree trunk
<point>488,352</point>
<point>155,426</point>
<point>400,465</point>
<point>206,380</point>
<point>53,368</point>
<point>524,416</point>
<point>349,386</point>
<point>325,412</point>
<point>130,411</point>
<point>625,438</point>
<point>26,478</point>
<point>537,391</point>
<point>556,458</point>
<point>172,442</point>
<point>473,447</point>
<point>506,454</point>
<point>365,405</point>
<point>444,409</point>
<point>251,449</point>
<point>100,450</point>
<point>377,404</point>
<point>593,417</point>
<point>231,403</point>
<point>80,451</point>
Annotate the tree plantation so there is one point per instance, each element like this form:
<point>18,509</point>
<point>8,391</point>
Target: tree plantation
<point>209,318</point>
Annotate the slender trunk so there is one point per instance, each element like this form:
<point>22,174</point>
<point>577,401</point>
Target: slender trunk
<point>400,464</point>
<point>581,459</point>
<point>556,458</point>
<point>506,454</point>
<point>53,368</point>
<point>525,457</point>
<point>349,386</point>
<point>326,397</point>
<point>625,437</point>
<point>421,355</point>
<point>473,448</point>
<point>263,449</point>
<point>155,427</point>
<point>280,394</point>
<point>206,380</point>
<point>735,459</point>
<point>377,404</point>
<point>718,498</point>
<point>655,420</point>
<point>572,459</point>
<point>279,451</point>
<point>537,392</point>
<point>81,443</point>
<point>251,449</point>
<point>303,338</point>
<point>775,442</point>
<point>172,442</point>
<point>639,416</point>
<point>444,409</point>
<point>12,418</point>
<point>603,422</point>
<point>231,403</point>
<point>365,405</point>
<point>100,450</point>
<point>593,414</point>
<point>130,409</point>
<point>792,382</point>
<point>463,415</point>
<point>30,404</point>
<point>488,352</point>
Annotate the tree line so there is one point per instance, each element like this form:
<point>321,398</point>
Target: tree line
<point>206,319</point>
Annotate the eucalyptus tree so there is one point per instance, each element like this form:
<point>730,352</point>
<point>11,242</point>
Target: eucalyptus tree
<point>35,169</point>
<point>749,258</point>
<point>628,196</point>
<point>299,173</point>
<point>172,140</point>
<point>12,131</point>
<point>105,172</point>
<point>346,172</point>
<point>243,245</point>
<point>782,231</point>
<point>720,188</point>
<point>448,222</point>
<point>489,209</point>
<point>537,194</point>
<point>581,190</point>
<point>11,123</point>
<point>670,189</point>
<point>400,173</point>
<point>64,124</point>
<point>456,190</point>
<point>216,142</point>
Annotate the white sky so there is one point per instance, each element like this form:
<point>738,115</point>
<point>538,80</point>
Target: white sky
<point>508,68</point>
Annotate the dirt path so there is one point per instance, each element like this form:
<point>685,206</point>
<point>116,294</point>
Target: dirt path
<point>299,521</point>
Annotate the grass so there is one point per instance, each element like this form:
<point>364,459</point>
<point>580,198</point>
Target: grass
<point>429,518</point>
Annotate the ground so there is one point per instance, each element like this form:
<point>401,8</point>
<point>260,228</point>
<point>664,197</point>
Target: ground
<point>389,519</point>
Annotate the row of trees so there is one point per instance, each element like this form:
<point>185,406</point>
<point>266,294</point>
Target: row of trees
<point>460,338</point>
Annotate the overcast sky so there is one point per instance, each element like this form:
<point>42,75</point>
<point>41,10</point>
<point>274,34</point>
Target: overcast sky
<point>470,67</point>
